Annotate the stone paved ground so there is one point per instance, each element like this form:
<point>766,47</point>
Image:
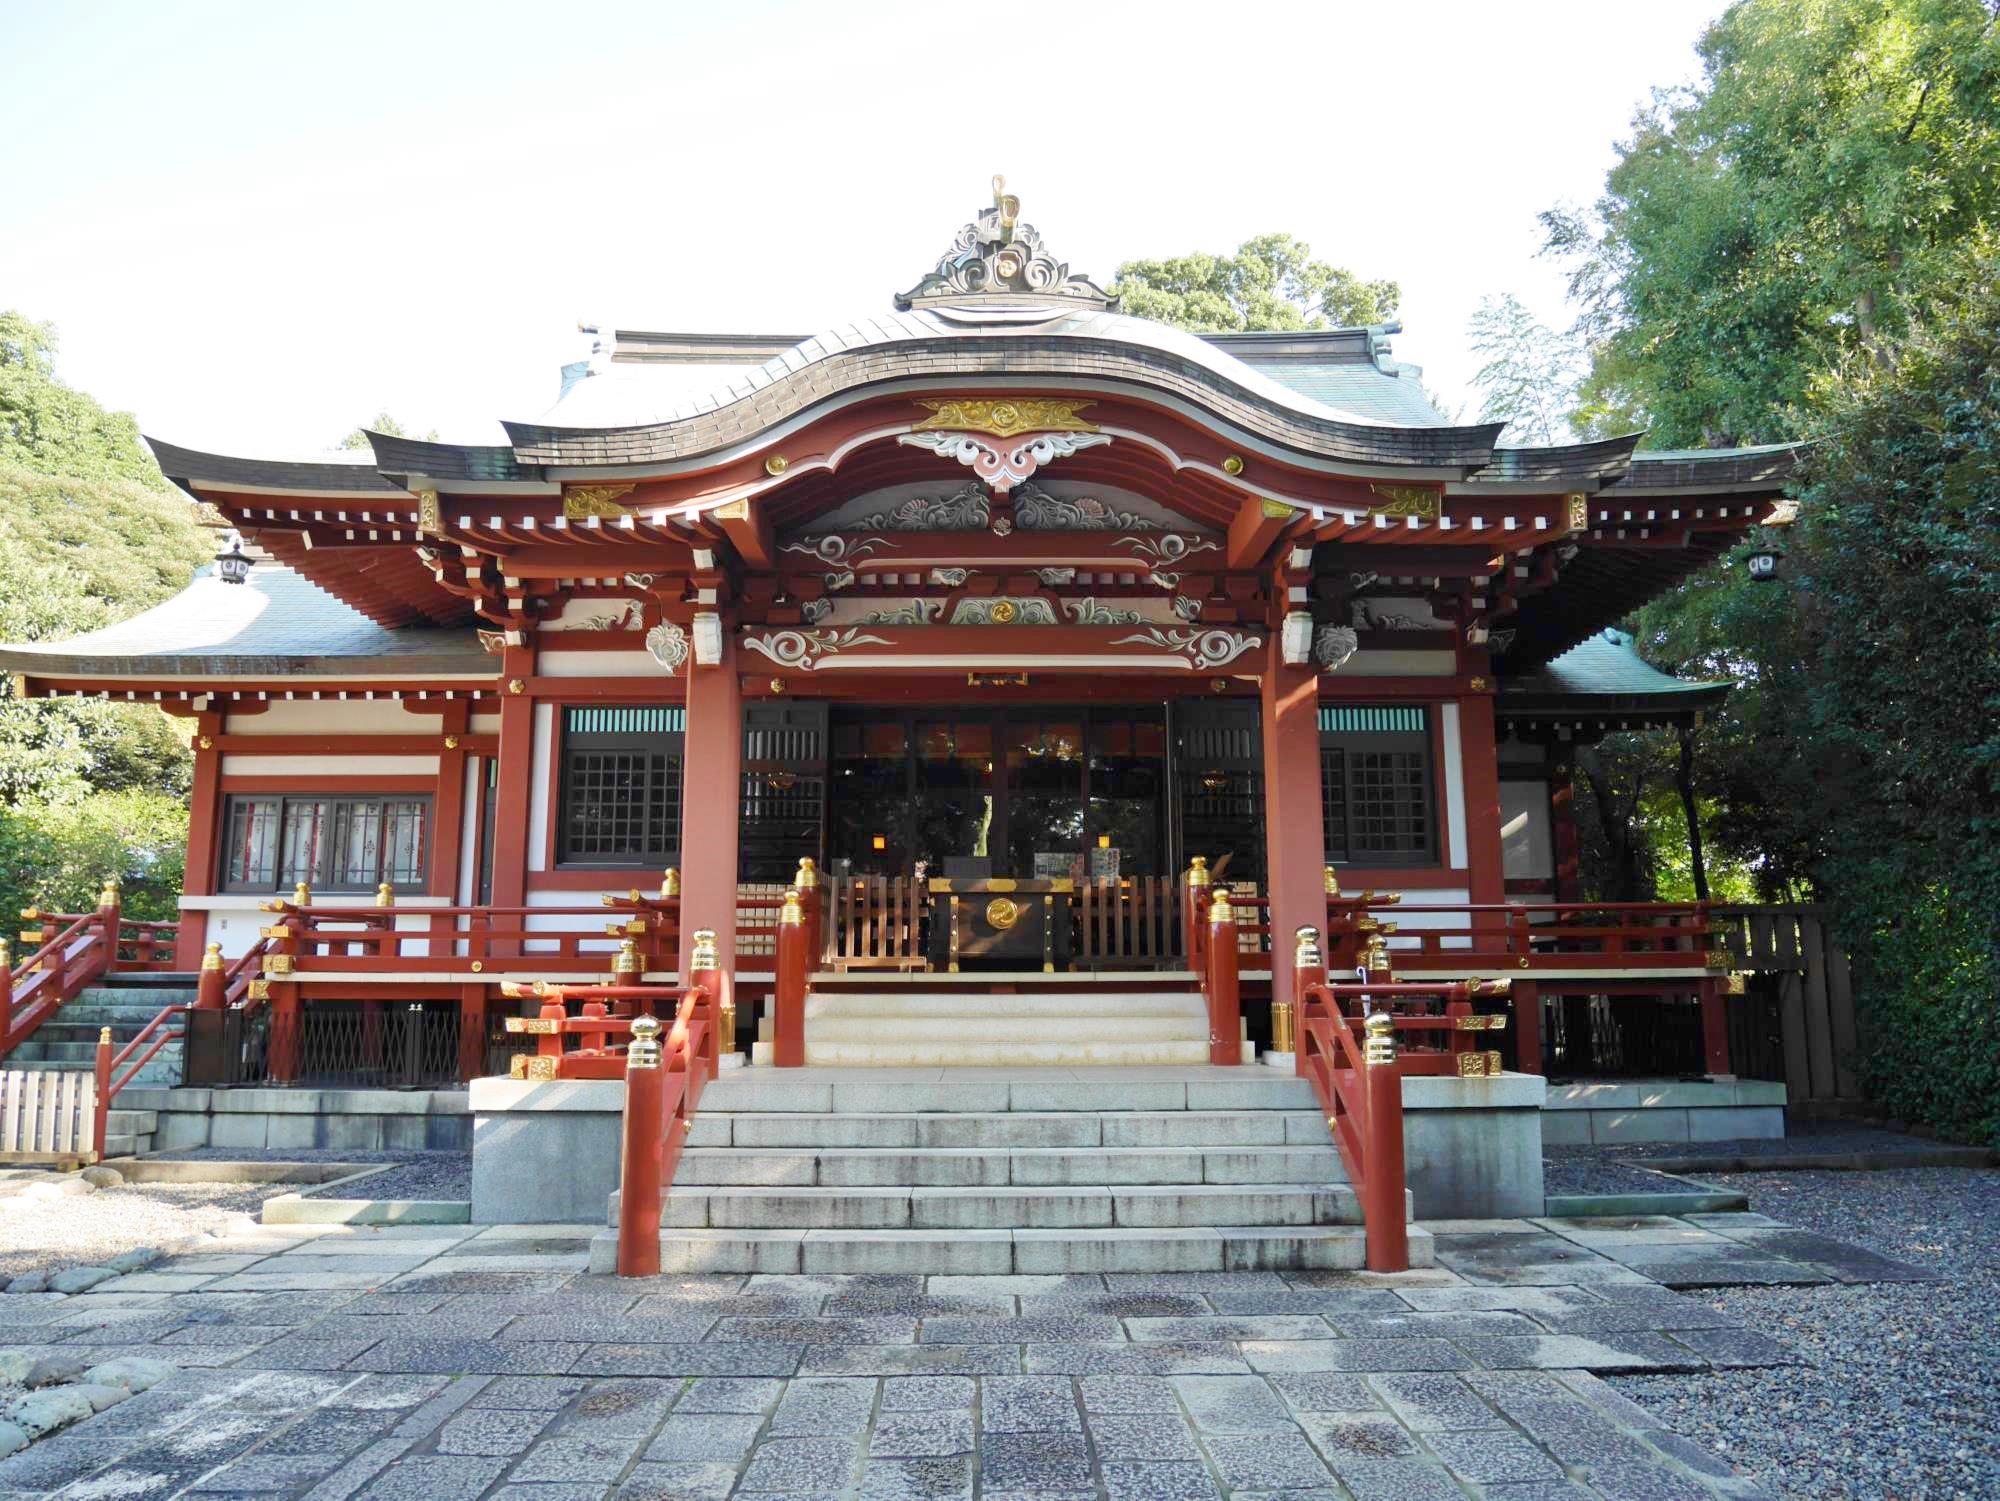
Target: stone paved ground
<point>452,1362</point>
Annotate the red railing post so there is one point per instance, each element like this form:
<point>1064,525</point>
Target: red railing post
<point>705,974</point>
<point>806,883</point>
<point>788,1022</point>
<point>109,914</point>
<point>6,995</point>
<point>100,1125</point>
<point>1383,1208</point>
<point>1225,998</point>
<point>208,990</point>
<point>643,1170</point>
<point>1288,1017</point>
<point>1714,1026</point>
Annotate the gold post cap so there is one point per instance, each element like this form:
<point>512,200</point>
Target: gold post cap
<point>670,882</point>
<point>212,957</point>
<point>302,895</point>
<point>31,914</point>
<point>1380,1044</point>
<point>385,895</point>
<point>808,876</point>
<point>1219,909</point>
<point>644,1050</point>
<point>1307,940</point>
<point>104,1037</point>
<point>1198,871</point>
<point>627,960</point>
<point>792,914</point>
<point>1332,881</point>
<point>108,896</point>
<point>704,955</point>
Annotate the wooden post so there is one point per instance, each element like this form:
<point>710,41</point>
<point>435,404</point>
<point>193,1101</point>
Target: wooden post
<point>1194,915</point>
<point>108,918</point>
<point>1714,1026</point>
<point>1383,1208</point>
<point>6,993</point>
<point>280,956</point>
<point>101,1124</point>
<point>208,991</point>
<point>1225,997</point>
<point>712,803</point>
<point>1308,970</point>
<point>204,834</point>
<point>643,1170</point>
<point>472,1000</point>
<point>1295,850</point>
<point>806,882</point>
<point>788,1045</point>
<point>514,793</point>
<point>1527,1026</point>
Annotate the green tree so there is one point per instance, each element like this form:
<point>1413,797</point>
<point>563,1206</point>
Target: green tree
<point>1530,373</point>
<point>386,424</point>
<point>1272,282</point>
<point>48,427</point>
<point>1823,186</point>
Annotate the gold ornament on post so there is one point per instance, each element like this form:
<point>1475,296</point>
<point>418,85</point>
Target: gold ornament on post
<point>670,883</point>
<point>1332,881</point>
<point>212,957</point>
<point>1219,909</point>
<point>1376,957</point>
<point>1198,871</point>
<point>1282,1029</point>
<point>302,895</point>
<point>704,955</point>
<point>1380,1046</point>
<point>644,1050</point>
<point>1308,948</point>
<point>792,914</point>
<point>385,895</point>
<point>808,876</point>
<point>626,961</point>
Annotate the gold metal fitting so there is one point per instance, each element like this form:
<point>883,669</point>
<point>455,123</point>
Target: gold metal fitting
<point>1307,951</point>
<point>212,957</point>
<point>627,960</point>
<point>1735,985</point>
<point>1198,871</point>
<point>512,990</point>
<point>808,876</point>
<point>792,914</point>
<point>104,1037</point>
<point>1332,881</point>
<point>704,955</point>
<point>277,964</point>
<point>108,895</point>
<point>670,882</point>
<point>31,914</point>
<point>644,1051</point>
<point>1379,1045</point>
<point>1718,959</point>
<point>515,685</point>
<point>778,685</point>
<point>1493,987</point>
<point>1282,1030</point>
<point>777,464</point>
<point>385,895</point>
<point>1233,465</point>
<point>1376,956</point>
<point>451,742</point>
<point>1219,909</point>
<point>6,959</point>
<point>533,1066</point>
<point>260,990</point>
<point>479,966</point>
<point>302,895</point>
<point>1381,898</point>
<point>534,1026</point>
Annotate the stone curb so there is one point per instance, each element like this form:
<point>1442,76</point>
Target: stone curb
<point>1838,1162</point>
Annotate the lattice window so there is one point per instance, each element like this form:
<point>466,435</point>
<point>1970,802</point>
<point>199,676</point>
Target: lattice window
<point>331,843</point>
<point>621,786</point>
<point>1376,800</point>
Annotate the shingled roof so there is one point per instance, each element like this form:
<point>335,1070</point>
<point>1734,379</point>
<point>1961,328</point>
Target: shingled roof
<point>1603,676</point>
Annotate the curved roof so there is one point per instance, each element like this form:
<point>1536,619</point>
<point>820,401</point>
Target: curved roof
<point>1603,674</point>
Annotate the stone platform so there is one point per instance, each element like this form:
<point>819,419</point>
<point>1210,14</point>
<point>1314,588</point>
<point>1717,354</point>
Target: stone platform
<point>1623,1112</point>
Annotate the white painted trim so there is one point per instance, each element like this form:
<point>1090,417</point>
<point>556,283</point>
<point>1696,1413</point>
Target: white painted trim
<point>471,807</point>
<point>538,788</point>
<point>327,762</point>
<point>234,901</point>
<point>1454,787</point>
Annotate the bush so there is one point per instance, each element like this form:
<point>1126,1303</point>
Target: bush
<point>56,855</point>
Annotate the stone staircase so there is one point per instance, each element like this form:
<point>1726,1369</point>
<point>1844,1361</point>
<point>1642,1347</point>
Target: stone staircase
<point>1025,1170</point>
<point>865,1022</point>
<point>124,1003</point>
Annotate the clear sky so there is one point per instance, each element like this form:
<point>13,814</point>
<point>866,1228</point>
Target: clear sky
<point>259,224</point>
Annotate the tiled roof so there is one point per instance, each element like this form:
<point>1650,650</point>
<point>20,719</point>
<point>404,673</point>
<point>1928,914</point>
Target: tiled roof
<point>1604,674</point>
<point>294,476</point>
<point>277,623</point>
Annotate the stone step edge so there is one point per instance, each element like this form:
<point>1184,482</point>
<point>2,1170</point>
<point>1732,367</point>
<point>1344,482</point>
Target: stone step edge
<point>1021,1252</point>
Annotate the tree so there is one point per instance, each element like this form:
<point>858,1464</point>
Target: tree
<point>1272,282</point>
<point>1530,376</point>
<point>1824,185</point>
<point>386,424</point>
<point>47,426</point>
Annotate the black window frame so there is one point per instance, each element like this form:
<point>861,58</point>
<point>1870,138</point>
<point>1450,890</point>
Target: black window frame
<point>320,880</point>
<point>668,746</point>
<point>1338,748</point>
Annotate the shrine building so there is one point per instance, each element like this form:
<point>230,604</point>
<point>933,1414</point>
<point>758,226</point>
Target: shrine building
<point>1003,608</point>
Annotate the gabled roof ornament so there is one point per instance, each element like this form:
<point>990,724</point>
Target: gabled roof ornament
<point>998,257</point>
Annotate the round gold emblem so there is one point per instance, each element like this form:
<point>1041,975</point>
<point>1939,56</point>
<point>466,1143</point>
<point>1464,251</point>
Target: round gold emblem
<point>1002,913</point>
<point>1004,612</point>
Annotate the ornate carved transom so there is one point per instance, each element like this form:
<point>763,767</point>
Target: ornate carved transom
<point>996,255</point>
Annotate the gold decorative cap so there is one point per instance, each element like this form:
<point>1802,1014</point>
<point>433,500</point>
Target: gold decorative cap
<point>108,896</point>
<point>1380,1043</point>
<point>302,895</point>
<point>627,960</point>
<point>704,955</point>
<point>385,895</point>
<point>670,882</point>
<point>1219,909</point>
<point>644,1051</point>
<point>808,876</point>
<point>104,1037</point>
<point>212,958</point>
<point>792,914</point>
<point>1307,939</point>
<point>1332,881</point>
<point>1198,871</point>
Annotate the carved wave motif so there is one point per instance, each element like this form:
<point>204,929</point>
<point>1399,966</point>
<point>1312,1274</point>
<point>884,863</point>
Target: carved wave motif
<point>1004,610</point>
<point>805,648</point>
<point>1087,611</point>
<point>1003,468</point>
<point>916,612</point>
<point>964,510</point>
<point>1036,510</point>
<point>1204,650</point>
<point>668,645</point>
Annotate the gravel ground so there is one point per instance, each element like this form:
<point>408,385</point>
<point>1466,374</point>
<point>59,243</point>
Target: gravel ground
<point>1902,1397</point>
<point>1801,1138</point>
<point>1588,1170</point>
<point>85,1229</point>
<point>416,1175</point>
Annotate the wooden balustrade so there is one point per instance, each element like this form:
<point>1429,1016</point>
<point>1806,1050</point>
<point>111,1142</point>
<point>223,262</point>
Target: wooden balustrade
<point>67,951</point>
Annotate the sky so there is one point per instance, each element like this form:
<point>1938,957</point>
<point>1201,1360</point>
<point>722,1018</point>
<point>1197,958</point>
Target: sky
<point>258,225</point>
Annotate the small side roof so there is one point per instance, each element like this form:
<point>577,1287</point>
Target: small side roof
<point>278,623</point>
<point>1603,676</point>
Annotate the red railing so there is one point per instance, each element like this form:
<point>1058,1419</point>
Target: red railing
<point>1596,938</point>
<point>800,913</point>
<point>70,951</point>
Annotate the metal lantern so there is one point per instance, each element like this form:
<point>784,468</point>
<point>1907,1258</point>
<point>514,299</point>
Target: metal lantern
<point>231,565</point>
<point>1763,561</point>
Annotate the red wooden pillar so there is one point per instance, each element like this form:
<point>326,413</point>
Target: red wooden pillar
<point>643,1171</point>
<point>1714,1026</point>
<point>1479,760</point>
<point>514,795</point>
<point>448,840</point>
<point>1384,1210</point>
<point>472,1024</point>
<point>204,826</point>
<point>1527,1026</point>
<point>1295,860</point>
<point>1562,831</point>
<point>788,1006</point>
<point>711,795</point>
<point>1225,996</point>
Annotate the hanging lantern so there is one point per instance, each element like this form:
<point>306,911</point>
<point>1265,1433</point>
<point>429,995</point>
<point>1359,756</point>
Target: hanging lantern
<point>231,565</point>
<point>1763,561</point>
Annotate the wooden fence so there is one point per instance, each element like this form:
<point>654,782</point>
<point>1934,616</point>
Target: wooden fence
<point>1796,969</point>
<point>48,1115</point>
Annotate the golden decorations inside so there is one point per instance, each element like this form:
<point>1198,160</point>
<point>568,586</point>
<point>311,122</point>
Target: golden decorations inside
<point>451,742</point>
<point>1004,612</point>
<point>1477,684</point>
<point>515,685</point>
<point>534,1067</point>
<point>430,516</point>
<point>583,501</point>
<point>1006,417</point>
<point>1419,501</point>
<point>1002,913</point>
<point>1579,512</point>
<point>1233,464</point>
<point>1480,1065</point>
<point>776,464</point>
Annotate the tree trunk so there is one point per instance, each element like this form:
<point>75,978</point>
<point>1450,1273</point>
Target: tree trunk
<point>1617,828</point>
<point>1684,781</point>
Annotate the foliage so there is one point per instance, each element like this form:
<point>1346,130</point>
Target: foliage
<point>1530,375</point>
<point>57,855</point>
<point>386,425</point>
<point>1824,187</point>
<point>46,426</point>
<point>1272,282</point>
